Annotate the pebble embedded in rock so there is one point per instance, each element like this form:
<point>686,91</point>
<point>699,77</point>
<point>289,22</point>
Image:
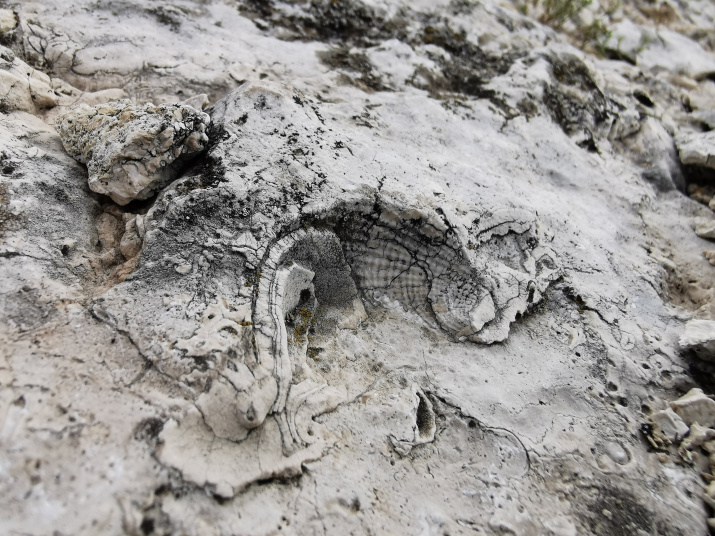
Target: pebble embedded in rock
<point>183,269</point>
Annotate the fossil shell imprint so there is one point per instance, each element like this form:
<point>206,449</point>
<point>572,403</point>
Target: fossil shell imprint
<point>399,257</point>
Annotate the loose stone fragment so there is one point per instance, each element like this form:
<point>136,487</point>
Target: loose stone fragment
<point>695,407</point>
<point>698,436</point>
<point>670,424</point>
<point>699,335</point>
<point>132,151</point>
<point>697,149</point>
<point>705,228</point>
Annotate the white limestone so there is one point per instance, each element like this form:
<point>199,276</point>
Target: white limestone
<point>132,151</point>
<point>424,268</point>
<point>699,335</point>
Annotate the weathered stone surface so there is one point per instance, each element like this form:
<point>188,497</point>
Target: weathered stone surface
<point>697,149</point>
<point>132,151</point>
<point>699,335</point>
<point>428,274</point>
<point>695,407</point>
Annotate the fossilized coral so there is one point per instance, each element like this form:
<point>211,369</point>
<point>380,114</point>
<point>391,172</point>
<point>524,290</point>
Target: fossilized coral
<point>399,257</point>
<point>314,280</point>
<point>299,258</point>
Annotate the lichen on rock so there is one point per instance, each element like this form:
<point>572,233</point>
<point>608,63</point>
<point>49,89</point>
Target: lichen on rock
<point>132,151</point>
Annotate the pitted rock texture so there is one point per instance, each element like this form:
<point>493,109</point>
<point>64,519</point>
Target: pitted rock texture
<point>132,151</point>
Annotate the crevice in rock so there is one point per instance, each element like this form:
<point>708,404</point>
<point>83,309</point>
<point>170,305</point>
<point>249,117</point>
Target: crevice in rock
<point>474,423</point>
<point>699,177</point>
<point>426,424</point>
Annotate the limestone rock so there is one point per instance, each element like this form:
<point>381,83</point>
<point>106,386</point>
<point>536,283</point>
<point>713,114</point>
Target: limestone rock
<point>705,228</point>
<point>697,149</point>
<point>628,39</point>
<point>676,51</point>
<point>695,407</point>
<point>427,277</point>
<point>24,88</point>
<point>699,335</point>
<point>670,424</point>
<point>707,116</point>
<point>8,20</point>
<point>698,436</point>
<point>132,151</point>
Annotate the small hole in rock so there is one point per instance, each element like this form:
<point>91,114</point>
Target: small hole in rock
<point>425,417</point>
<point>147,525</point>
<point>251,414</point>
<point>643,98</point>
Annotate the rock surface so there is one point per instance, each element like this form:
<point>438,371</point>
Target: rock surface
<point>697,149</point>
<point>699,335</point>
<point>408,268</point>
<point>132,151</point>
<point>705,228</point>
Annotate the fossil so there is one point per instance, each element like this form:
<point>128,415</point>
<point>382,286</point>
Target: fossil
<point>293,252</point>
<point>401,258</point>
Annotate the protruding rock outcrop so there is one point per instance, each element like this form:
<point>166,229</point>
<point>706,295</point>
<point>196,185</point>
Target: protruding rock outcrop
<point>132,151</point>
<point>699,335</point>
<point>697,149</point>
